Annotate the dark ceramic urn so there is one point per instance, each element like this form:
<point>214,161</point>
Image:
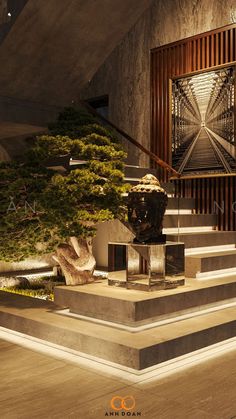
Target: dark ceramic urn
<point>147,203</point>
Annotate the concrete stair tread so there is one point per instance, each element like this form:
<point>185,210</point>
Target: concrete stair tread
<point>204,238</point>
<point>189,220</point>
<point>123,294</point>
<point>138,350</point>
<point>210,263</point>
<point>135,308</point>
<point>203,233</point>
<point>212,254</point>
<point>139,340</point>
<point>149,337</point>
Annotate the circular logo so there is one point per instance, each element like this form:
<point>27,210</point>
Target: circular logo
<point>125,403</point>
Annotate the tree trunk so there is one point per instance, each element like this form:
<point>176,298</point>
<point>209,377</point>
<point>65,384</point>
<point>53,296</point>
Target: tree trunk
<point>76,261</point>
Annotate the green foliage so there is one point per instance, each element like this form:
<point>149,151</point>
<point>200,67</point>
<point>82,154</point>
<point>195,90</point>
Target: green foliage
<point>40,208</point>
<point>93,146</point>
<point>77,123</point>
<point>39,293</point>
<point>37,288</point>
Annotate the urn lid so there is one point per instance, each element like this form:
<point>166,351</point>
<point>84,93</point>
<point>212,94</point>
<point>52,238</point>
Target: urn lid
<point>148,184</point>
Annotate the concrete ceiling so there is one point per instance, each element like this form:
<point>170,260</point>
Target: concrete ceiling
<point>56,46</point>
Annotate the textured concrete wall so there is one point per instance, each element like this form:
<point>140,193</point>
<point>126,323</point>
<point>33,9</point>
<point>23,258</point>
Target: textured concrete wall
<point>14,7</point>
<point>54,47</point>
<point>125,75</point>
<point>3,11</point>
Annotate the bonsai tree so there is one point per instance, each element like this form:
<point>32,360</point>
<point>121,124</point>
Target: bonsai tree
<point>45,211</point>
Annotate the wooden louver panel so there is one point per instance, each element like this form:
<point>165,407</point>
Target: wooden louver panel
<point>193,54</point>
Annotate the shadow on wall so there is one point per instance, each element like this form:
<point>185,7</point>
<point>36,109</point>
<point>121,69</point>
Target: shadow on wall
<point>27,112</point>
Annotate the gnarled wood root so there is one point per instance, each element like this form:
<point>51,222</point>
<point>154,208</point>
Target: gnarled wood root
<point>76,261</point>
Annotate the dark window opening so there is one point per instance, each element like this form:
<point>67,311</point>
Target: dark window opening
<point>101,105</point>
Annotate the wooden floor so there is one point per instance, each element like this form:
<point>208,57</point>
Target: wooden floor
<point>34,385</point>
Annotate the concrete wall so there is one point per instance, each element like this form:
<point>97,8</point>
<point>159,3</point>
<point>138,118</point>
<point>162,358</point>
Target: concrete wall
<point>14,7</point>
<point>109,231</point>
<point>55,47</point>
<point>3,11</point>
<point>125,75</point>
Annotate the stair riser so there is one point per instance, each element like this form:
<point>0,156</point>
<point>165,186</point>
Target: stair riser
<point>135,313</point>
<point>204,240</point>
<point>89,345</point>
<point>177,347</point>
<point>193,266</point>
<point>130,357</point>
<point>182,203</point>
<point>171,221</point>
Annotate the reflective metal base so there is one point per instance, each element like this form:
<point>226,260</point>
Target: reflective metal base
<point>146,267</point>
<point>143,286</point>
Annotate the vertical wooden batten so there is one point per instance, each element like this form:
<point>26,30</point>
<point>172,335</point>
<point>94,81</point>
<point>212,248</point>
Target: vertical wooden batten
<point>198,53</point>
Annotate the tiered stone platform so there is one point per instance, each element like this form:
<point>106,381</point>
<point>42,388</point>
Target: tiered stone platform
<point>130,328</point>
<point>135,308</point>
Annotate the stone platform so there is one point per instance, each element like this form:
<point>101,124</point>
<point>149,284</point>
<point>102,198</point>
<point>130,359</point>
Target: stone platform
<point>133,308</point>
<point>133,329</point>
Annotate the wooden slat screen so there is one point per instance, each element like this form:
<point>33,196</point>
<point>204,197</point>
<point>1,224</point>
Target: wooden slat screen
<point>197,53</point>
<point>212,195</point>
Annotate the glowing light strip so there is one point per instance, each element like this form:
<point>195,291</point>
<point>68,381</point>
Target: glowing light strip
<point>36,275</point>
<point>97,272</point>
<point>150,374</point>
<point>173,230</point>
<point>132,179</point>
<point>216,274</point>
<point>176,211</point>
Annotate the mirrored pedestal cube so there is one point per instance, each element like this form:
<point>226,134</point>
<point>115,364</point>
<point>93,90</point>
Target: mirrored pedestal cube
<point>146,267</point>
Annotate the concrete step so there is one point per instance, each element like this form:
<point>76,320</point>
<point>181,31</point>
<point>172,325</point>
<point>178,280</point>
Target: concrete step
<point>137,351</point>
<point>181,203</point>
<point>202,264</point>
<point>189,220</point>
<point>113,231</point>
<point>134,308</point>
<point>205,239</point>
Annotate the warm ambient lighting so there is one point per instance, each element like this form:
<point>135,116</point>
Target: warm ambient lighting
<point>180,212</point>
<point>209,249</point>
<point>37,275</point>
<point>221,273</point>
<point>136,329</point>
<point>174,230</point>
<point>108,368</point>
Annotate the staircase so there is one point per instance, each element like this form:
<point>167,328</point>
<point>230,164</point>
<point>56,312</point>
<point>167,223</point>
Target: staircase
<point>208,252</point>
